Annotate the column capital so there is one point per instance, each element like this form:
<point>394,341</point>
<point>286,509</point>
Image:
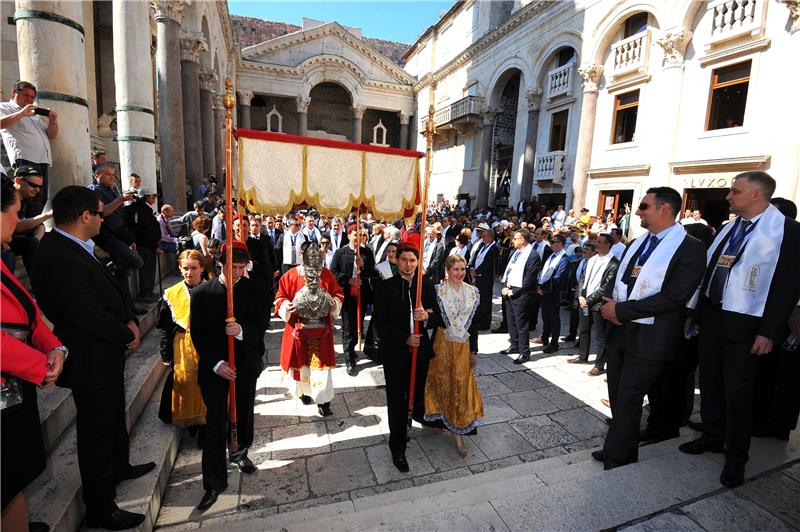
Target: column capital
<point>302,103</point>
<point>534,97</point>
<point>192,45</point>
<point>208,80</point>
<point>591,74</point>
<point>404,118</point>
<point>169,9</point>
<point>489,114</point>
<point>358,111</point>
<point>794,13</point>
<point>674,44</point>
<point>245,96</point>
<point>217,103</point>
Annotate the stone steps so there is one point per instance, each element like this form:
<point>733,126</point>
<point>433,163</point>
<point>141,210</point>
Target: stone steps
<point>570,492</point>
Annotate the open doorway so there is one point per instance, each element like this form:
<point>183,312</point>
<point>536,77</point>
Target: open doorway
<point>711,203</point>
<point>613,202</point>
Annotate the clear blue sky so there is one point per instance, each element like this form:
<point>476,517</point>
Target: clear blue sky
<point>381,19</point>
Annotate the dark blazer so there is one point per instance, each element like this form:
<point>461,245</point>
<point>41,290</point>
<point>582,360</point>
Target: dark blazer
<point>784,292</point>
<point>394,300</point>
<point>342,266</point>
<point>559,277</point>
<point>88,309</point>
<point>659,340</point>
<point>209,312</point>
<point>606,287</point>
<point>529,276</point>
<point>486,271</point>
<point>435,269</point>
<point>262,253</point>
<point>452,233</point>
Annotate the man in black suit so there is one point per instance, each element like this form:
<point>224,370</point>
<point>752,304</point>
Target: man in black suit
<point>210,337</point>
<point>433,256</point>
<point>656,277</point>
<point>540,243</point>
<point>261,251</point>
<point>750,289</point>
<point>394,300</point>
<point>552,277</point>
<point>449,232</point>
<point>519,283</point>
<point>481,267</point>
<point>91,315</point>
<point>344,264</point>
<point>596,282</point>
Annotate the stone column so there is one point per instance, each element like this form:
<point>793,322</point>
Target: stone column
<point>51,56</point>
<point>486,157</point>
<point>192,45</point>
<point>168,16</point>
<point>404,119</point>
<point>245,97</point>
<point>208,82</point>
<point>134,91</point>
<point>358,115</point>
<point>219,138</point>
<point>302,114</point>
<point>534,97</point>
<point>583,155</point>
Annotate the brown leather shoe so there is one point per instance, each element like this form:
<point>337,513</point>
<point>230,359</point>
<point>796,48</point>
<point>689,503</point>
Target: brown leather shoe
<point>537,340</point>
<point>577,360</point>
<point>606,403</point>
<point>594,372</point>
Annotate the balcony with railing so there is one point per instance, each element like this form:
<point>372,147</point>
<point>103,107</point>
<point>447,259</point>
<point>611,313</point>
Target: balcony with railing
<point>463,110</point>
<point>559,81</point>
<point>632,54</point>
<point>550,166</point>
<point>735,18</point>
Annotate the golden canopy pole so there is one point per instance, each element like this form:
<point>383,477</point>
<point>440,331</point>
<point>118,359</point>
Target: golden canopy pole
<point>358,277</point>
<point>229,101</point>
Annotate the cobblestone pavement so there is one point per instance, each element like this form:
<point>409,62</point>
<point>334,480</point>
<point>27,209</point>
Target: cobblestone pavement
<point>543,408</point>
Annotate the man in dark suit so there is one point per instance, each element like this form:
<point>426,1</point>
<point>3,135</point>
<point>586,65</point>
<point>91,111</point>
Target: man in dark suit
<point>210,337</point>
<point>345,261</point>
<point>750,289</point>
<point>449,232</point>
<point>518,287</point>
<point>92,316</point>
<point>540,242</point>
<point>393,311</point>
<point>596,282</point>
<point>552,277</point>
<point>657,276</point>
<point>261,251</point>
<point>433,256</point>
<point>481,267</point>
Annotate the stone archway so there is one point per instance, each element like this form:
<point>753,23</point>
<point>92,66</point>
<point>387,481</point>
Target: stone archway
<point>504,131</point>
<point>330,110</point>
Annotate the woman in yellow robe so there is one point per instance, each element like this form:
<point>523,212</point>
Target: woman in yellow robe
<point>184,406</point>
<point>452,399</point>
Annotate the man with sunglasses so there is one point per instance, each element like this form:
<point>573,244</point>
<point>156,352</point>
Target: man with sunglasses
<point>29,231</point>
<point>657,275</point>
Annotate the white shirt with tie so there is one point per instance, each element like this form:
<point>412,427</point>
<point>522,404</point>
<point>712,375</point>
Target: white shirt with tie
<point>516,267</point>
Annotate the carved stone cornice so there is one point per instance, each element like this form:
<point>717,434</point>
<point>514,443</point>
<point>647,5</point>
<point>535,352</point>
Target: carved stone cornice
<point>245,96</point>
<point>192,45</point>
<point>169,9</point>
<point>208,80</point>
<point>302,104</point>
<point>404,118</point>
<point>794,13</point>
<point>591,74</point>
<point>674,44</point>
<point>534,97</point>
<point>358,111</point>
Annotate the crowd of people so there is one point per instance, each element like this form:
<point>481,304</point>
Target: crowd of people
<point>681,296</point>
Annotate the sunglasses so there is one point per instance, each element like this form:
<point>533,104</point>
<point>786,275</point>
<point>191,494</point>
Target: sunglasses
<point>645,206</point>
<point>96,213</point>
<point>32,185</point>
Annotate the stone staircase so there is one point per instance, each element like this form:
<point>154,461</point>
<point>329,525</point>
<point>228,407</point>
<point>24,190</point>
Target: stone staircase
<point>569,492</point>
<point>55,496</point>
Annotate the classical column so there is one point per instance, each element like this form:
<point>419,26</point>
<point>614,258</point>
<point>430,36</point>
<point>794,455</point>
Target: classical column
<point>134,91</point>
<point>168,16</point>
<point>50,36</point>
<point>358,115</point>
<point>404,119</point>
<point>489,115</point>
<point>245,97</point>
<point>208,82</point>
<point>583,155</point>
<point>219,132</point>
<point>534,97</point>
<point>302,114</point>
<point>192,45</point>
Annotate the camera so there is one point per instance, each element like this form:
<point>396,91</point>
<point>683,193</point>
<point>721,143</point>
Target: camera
<point>41,111</point>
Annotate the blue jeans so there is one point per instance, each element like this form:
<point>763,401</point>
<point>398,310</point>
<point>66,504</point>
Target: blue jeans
<point>123,257</point>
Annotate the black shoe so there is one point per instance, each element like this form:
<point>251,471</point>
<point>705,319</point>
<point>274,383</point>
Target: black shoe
<point>38,526</point>
<point>551,348</point>
<point>509,351</point>
<point>569,338</point>
<point>732,475</point>
<point>600,455</point>
<point>399,461</point>
<point>306,400</point>
<point>695,425</point>
<point>208,500</point>
<point>116,520</point>
<point>136,471</point>
<point>700,446</point>
<point>352,368</point>
<point>522,359</point>
<point>325,410</point>
<point>500,330</point>
<point>246,465</point>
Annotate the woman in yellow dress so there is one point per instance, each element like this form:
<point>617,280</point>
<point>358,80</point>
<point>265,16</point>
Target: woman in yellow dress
<point>452,399</point>
<point>181,403</point>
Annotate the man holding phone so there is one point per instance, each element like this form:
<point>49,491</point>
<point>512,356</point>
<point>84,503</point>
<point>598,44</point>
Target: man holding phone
<point>27,136</point>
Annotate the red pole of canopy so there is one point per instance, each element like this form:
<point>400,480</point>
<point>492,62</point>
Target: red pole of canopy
<point>229,101</point>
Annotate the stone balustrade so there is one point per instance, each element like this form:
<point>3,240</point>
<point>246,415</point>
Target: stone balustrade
<point>550,166</point>
<point>559,81</point>
<point>631,54</point>
<point>735,18</point>
<point>470,105</point>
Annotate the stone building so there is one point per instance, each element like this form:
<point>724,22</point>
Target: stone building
<point>590,103</point>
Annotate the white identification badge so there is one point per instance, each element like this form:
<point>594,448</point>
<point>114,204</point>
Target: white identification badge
<point>751,282</point>
<point>635,272</point>
<point>726,261</point>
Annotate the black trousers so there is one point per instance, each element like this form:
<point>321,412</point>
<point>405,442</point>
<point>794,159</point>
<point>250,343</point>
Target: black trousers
<point>727,376</point>
<point>484,313</point>
<point>215,466</point>
<point>245,405</point>
<point>147,273</point>
<point>777,402</point>
<point>350,324</point>
<point>519,323</point>
<point>398,381</point>
<point>25,246</point>
<point>593,319</point>
<point>534,302</point>
<point>551,318</point>
<point>630,377</point>
<point>668,396</point>
<point>102,444</point>
<point>574,320</point>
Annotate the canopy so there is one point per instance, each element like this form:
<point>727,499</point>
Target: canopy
<point>278,172</point>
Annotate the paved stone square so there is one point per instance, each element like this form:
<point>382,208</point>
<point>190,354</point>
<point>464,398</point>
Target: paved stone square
<point>541,409</point>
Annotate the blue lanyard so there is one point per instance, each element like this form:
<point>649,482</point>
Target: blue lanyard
<point>734,232</point>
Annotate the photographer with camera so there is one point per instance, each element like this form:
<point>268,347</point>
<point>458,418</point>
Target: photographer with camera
<point>26,135</point>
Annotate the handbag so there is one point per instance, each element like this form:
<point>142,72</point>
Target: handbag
<point>10,387</point>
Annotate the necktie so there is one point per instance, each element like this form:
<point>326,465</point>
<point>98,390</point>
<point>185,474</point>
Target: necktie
<point>716,287</point>
<point>336,239</point>
<point>650,247</point>
<point>514,258</point>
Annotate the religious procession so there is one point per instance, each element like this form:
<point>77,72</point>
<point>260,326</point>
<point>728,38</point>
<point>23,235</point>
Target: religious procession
<point>295,322</point>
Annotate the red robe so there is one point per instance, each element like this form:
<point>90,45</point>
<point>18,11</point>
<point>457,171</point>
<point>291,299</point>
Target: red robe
<point>294,351</point>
